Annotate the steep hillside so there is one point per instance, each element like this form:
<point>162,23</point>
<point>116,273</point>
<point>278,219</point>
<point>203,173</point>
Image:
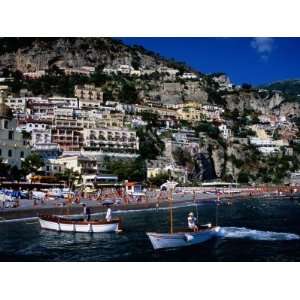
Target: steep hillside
<point>290,87</point>
<point>31,54</point>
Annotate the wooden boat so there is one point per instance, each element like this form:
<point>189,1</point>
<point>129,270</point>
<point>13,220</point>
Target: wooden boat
<point>72,225</point>
<point>181,238</point>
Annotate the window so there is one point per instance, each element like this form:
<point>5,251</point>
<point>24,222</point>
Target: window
<point>10,135</point>
<point>9,153</point>
<point>22,154</point>
<point>5,124</point>
<point>0,152</point>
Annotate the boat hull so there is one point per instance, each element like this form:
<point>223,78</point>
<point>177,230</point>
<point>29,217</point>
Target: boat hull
<point>182,239</point>
<point>79,226</point>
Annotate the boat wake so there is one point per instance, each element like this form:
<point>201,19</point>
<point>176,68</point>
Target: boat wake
<point>252,234</point>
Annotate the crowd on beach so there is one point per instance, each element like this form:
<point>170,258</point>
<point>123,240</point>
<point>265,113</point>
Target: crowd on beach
<point>10,199</point>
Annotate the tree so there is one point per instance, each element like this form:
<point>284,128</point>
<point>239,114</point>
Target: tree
<point>32,164</point>
<point>243,177</point>
<point>150,144</point>
<point>182,157</point>
<point>4,169</point>
<point>15,173</point>
<point>26,135</point>
<point>208,128</point>
<point>134,170</point>
<point>128,93</point>
<point>151,118</point>
<point>159,179</point>
<point>69,177</point>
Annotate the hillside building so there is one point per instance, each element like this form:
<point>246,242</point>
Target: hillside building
<point>13,147</point>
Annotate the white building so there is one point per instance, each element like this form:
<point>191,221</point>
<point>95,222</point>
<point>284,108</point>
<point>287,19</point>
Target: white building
<point>110,139</point>
<point>13,148</point>
<point>135,73</point>
<point>77,163</point>
<point>189,76</point>
<point>225,131</point>
<point>167,70</point>
<point>110,71</point>
<point>34,75</point>
<point>89,96</point>
<point>84,70</point>
<point>125,69</point>
<point>268,146</point>
<point>16,104</point>
<point>295,178</point>
<point>40,137</point>
<point>31,125</point>
<point>64,102</point>
<point>60,112</point>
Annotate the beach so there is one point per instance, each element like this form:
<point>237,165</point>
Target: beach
<point>28,209</point>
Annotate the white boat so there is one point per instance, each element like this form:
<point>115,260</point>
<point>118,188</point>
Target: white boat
<point>72,225</point>
<point>182,239</point>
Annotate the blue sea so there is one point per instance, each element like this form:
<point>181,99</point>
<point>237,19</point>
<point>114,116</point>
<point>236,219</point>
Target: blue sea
<point>252,230</point>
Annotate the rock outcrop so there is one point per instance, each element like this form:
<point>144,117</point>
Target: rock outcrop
<point>263,102</point>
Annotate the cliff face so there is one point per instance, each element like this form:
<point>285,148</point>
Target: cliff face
<point>176,92</point>
<point>288,109</point>
<point>72,52</point>
<point>253,100</point>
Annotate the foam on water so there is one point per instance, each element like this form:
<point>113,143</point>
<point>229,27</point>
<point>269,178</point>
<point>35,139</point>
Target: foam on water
<point>245,233</point>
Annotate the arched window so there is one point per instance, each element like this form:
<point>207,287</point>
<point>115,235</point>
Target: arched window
<point>5,124</point>
<point>10,135</point>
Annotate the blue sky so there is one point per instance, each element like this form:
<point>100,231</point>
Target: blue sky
<point>245,60</point>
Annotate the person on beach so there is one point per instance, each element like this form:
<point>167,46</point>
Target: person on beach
<point>192,222</point>
<point>108,216</point>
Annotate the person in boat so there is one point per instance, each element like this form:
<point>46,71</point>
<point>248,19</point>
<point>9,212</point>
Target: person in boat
<point>84,212</point>
<point>192,222</point>
<point>88,213</point>
<point>108,216</point>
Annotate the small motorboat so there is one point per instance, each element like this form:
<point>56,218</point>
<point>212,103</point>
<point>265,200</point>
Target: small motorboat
<point>74,225</point>
<point>183,238</point>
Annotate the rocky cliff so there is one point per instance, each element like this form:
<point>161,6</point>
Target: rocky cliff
<point>263,102</point>
<point>31,54</point>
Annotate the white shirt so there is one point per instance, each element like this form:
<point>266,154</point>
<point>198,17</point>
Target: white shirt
<point>191,222</point>
<point>108,215</point>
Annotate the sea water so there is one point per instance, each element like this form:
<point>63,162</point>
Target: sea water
<point>251,230</point>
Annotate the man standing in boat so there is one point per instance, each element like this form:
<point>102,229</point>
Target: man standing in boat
<point>84,212</point>
<point>192,222</point>
<point>108,216</point>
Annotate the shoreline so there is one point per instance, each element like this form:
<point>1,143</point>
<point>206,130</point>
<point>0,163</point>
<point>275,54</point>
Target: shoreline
<point>15,214</point>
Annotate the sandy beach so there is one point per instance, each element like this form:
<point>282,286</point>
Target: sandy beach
<point>28,210</point>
